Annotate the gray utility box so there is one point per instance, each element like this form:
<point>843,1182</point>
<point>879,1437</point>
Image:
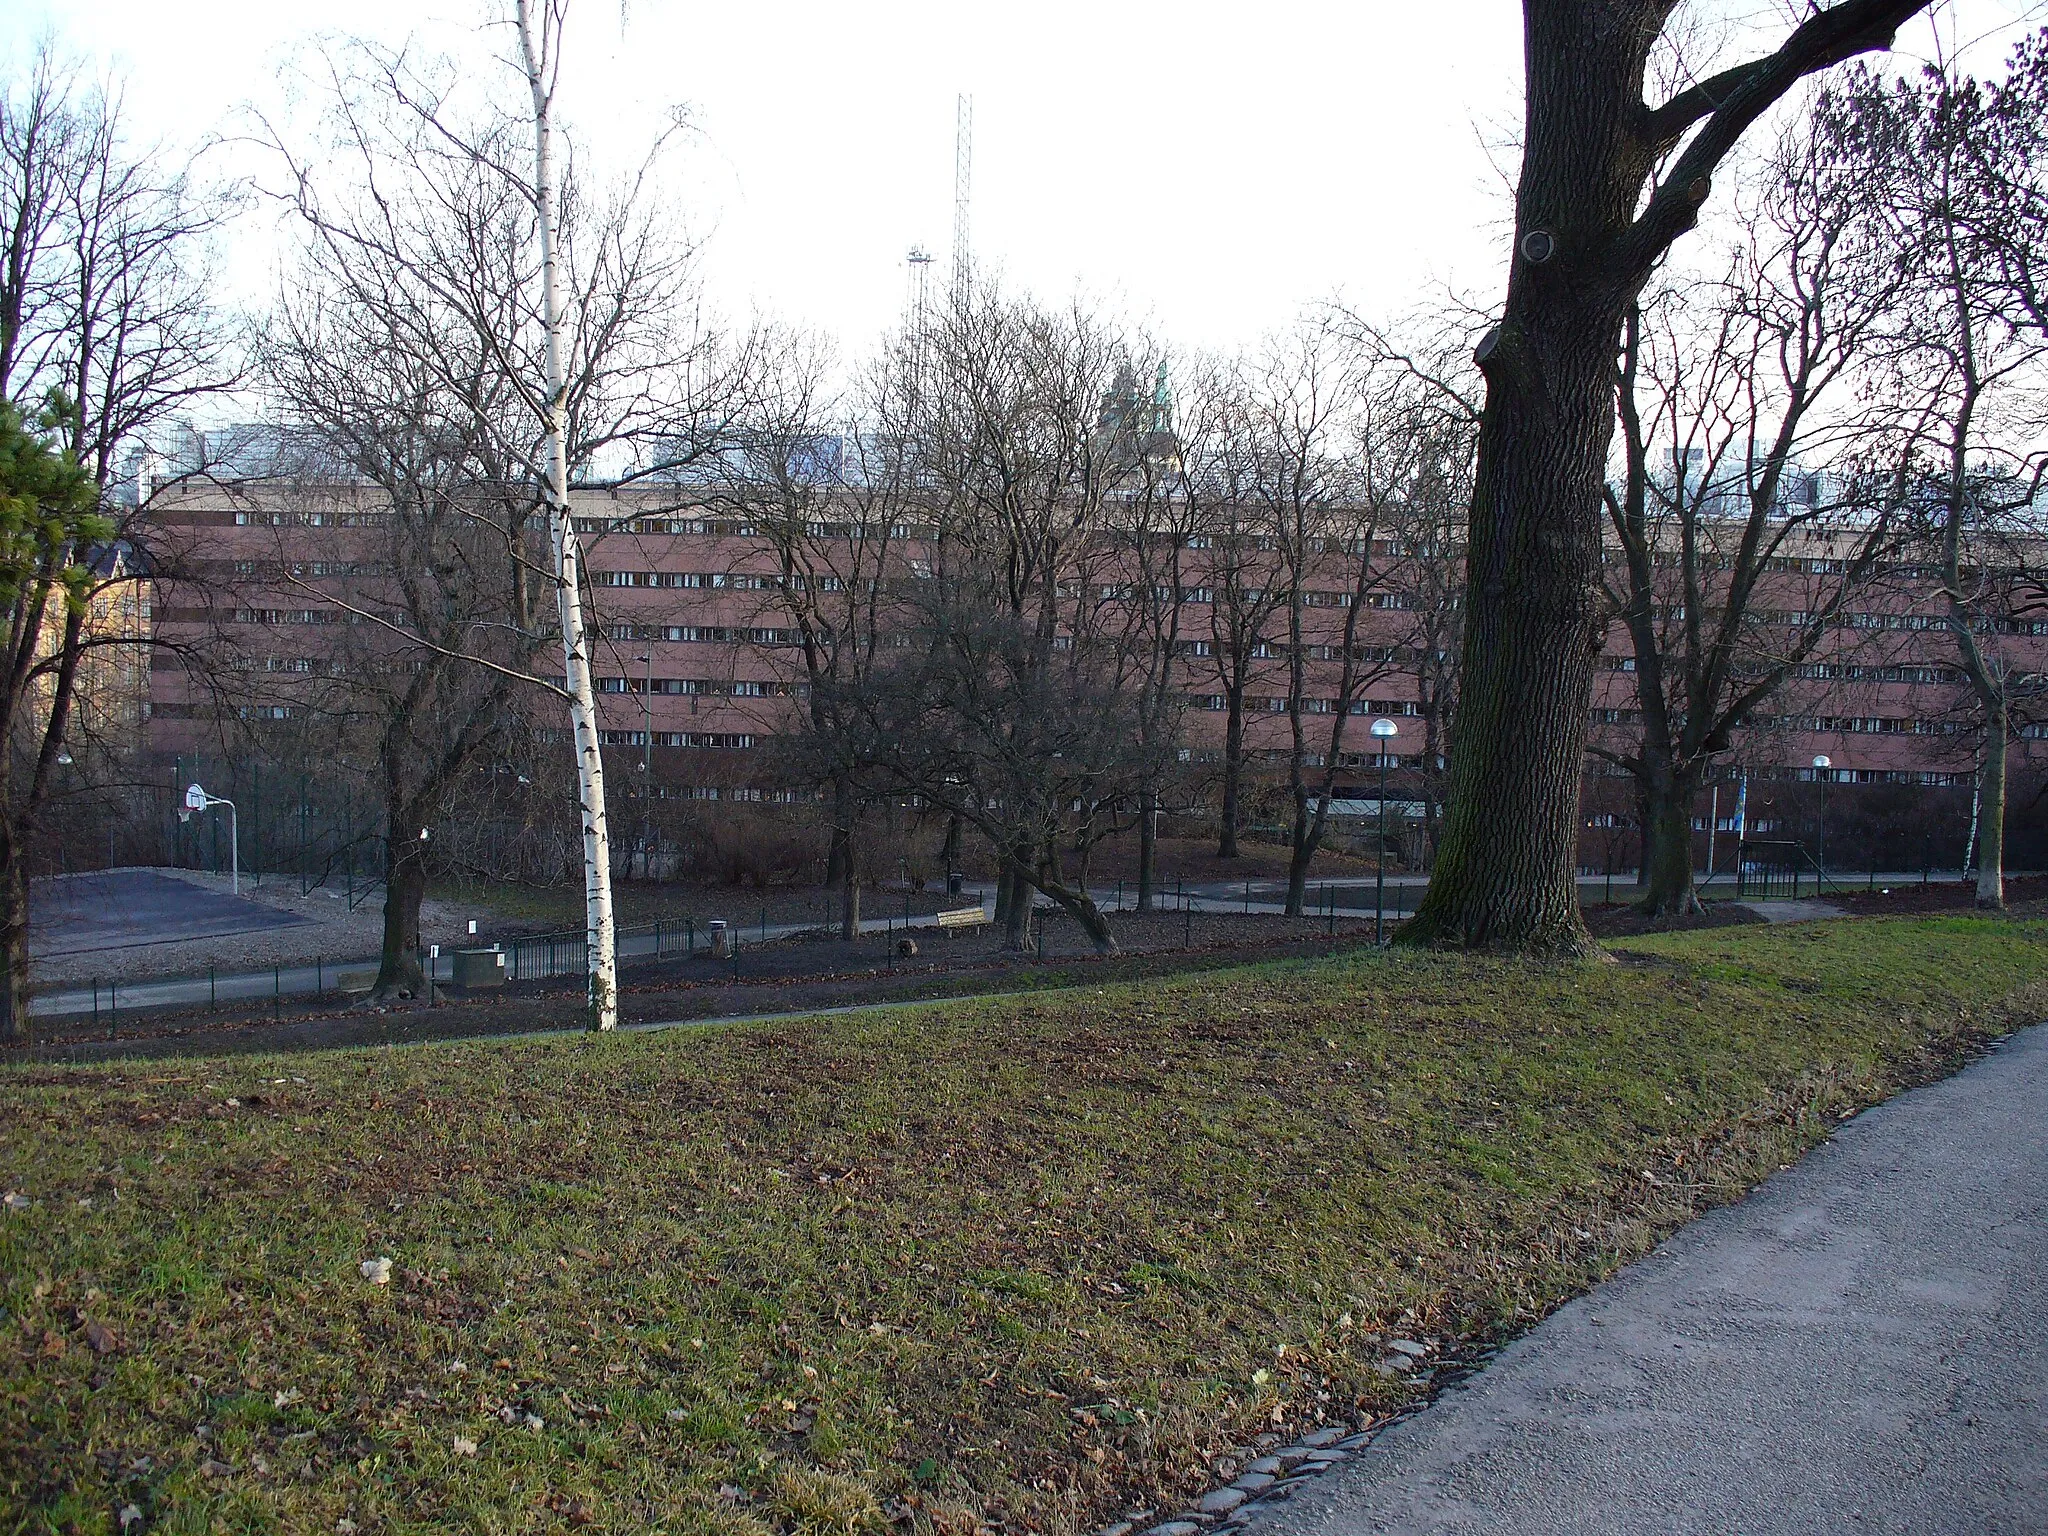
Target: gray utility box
<point>479,968</point>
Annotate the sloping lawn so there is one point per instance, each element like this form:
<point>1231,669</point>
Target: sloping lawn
<point>1002,1266</point>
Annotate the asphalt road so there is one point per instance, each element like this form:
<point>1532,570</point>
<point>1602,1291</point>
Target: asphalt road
<point>1861,1346</point>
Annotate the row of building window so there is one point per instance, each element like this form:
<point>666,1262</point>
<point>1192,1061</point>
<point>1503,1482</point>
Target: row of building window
<point>1818,725</point>
<point>694,686</point>
<point>1277,704</point>
<point>728,741</point>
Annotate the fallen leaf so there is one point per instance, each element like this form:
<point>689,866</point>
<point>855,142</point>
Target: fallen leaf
<point>104,1340</point>
<point>14,1200</point>
<point>130,1515</point>
<point>464,1446</point>
<point>376,1271</point>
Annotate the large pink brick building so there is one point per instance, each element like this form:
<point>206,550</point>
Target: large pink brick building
<point>698,671</point>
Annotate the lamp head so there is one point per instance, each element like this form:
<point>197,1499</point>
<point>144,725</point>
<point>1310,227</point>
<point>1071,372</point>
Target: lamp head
<point>1385,729</point>
<point>1823,761</point>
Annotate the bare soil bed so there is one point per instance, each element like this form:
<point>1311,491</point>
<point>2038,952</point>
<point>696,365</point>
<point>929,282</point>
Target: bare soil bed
<point>1619,922</point>
<point>1935,896</point>
<point>797,974</point>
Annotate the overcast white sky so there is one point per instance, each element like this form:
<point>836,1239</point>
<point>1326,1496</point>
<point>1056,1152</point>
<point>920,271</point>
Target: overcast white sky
<point>1209,167</point>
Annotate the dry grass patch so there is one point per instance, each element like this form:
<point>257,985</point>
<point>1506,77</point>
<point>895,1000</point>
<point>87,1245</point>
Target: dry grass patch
<point>1015,1265</point>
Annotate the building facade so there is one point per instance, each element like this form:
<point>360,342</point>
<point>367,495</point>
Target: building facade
<point>700,666</point>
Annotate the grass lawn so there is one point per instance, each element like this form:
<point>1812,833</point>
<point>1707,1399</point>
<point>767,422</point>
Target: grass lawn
<point>984,1267</point>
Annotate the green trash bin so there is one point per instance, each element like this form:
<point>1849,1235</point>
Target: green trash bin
<point>479,968</point>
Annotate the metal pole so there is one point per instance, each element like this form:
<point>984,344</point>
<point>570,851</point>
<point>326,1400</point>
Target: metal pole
<point>1821,875</point>
<point>1379,901</point>
<point>1713,820</point>
<point>234,849</point>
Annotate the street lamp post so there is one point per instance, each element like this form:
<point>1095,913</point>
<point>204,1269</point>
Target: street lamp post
<point>1384,731</point>
<point>197,799</point>
<point>1821,766</point>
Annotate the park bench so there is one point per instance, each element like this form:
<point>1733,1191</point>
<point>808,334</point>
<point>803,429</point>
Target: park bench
<point>963,917</point>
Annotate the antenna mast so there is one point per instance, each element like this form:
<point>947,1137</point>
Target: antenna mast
<point>963,176</point>
<point>920,261</point>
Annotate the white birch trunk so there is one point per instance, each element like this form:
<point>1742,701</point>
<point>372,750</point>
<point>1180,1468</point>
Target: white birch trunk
<point>568,556</point>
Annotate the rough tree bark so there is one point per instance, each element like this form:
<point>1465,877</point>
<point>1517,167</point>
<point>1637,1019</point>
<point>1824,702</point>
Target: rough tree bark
<point>1505,877</point>
<point>14,991</point>
<point>1148,848</point>
<point>1233,769</point>
<point>400,974</point>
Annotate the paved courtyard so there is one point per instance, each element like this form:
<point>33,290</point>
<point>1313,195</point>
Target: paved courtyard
<point>124,908</point>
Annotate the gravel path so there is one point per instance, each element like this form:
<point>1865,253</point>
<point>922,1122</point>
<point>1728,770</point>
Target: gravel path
<point>1856,1347</point>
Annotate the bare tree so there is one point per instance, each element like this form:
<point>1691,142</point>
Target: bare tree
<point>1312,476</point>
<point>1152,534</point>
<point>1748,511</point>
<point>106,330</point>
<point>1428,399</point>
<point>1968,167</point>
<point>439,594</point>
<point>829,492</point>
<point>1013,708</point>
<point>571,310</point>
<point>1244,574</point>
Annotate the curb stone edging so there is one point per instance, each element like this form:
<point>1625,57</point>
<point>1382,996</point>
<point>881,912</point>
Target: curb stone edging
<point>1228,1508</point>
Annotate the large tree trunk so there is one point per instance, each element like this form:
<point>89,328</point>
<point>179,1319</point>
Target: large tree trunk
<point>835,859</point>
<point>1233,770</point>
<point>1991,812</point>
<point>1504,876</point>
<point>1075,901</point>
<point>400,974</point>
<point>1305,838</point>
<point>16,990</point>
<point>849,901</point>
<point>1016,917</point>
<point>1667,872</point>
